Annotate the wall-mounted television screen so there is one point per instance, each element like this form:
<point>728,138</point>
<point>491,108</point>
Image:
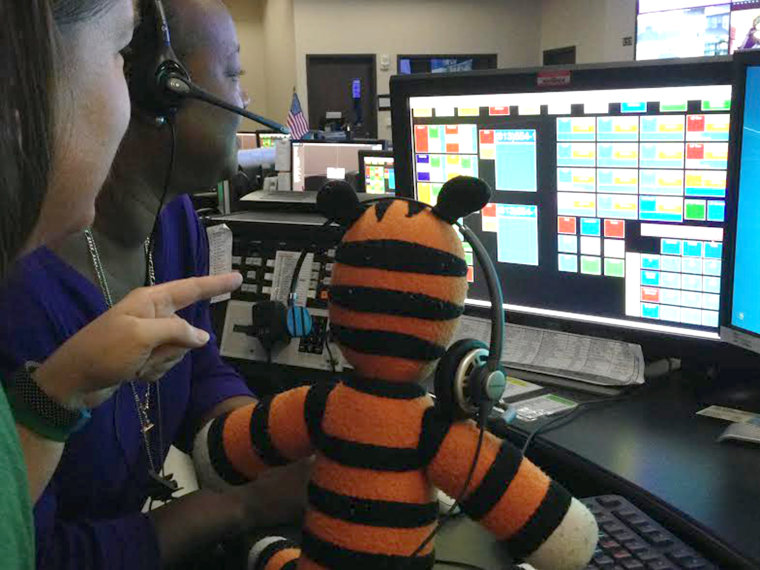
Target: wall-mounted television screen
<point>695,28</point>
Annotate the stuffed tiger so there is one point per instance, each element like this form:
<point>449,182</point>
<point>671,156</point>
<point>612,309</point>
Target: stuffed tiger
<point>381,446</point>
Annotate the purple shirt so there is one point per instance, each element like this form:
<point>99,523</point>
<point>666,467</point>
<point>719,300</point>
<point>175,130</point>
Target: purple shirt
<point>89,516</point>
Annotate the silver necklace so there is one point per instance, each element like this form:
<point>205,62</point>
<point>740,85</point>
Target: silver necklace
<point>143,408</point>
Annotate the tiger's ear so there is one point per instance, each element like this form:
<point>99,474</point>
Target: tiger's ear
<point>338,202</point>
<point>460,197</point>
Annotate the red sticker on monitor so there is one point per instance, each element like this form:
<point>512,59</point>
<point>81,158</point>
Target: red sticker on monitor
<point>554,78</point>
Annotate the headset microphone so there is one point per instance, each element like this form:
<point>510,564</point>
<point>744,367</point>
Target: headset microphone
<point>182,88</point>
<point>169,83</point>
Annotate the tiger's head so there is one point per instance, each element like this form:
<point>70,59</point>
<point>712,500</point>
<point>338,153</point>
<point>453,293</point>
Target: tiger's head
<point>400,278</point>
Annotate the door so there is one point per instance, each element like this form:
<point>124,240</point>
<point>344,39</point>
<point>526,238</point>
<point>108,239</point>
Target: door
<point>560,56</point>
<point>344,83</point>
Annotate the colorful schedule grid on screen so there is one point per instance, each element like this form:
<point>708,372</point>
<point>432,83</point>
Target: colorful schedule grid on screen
<point>661,169</point>
<point>514,154</point>
<point>639,185</point>
<point>517,234</point>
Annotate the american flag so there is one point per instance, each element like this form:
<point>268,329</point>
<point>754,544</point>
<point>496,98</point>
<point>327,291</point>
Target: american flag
<point>297,122</point>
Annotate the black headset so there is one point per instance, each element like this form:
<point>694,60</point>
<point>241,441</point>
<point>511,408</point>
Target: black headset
<point>166,83</point>
<point>469,378</point>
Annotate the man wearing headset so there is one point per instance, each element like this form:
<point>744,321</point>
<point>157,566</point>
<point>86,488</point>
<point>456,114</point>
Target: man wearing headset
<point>89,517</point>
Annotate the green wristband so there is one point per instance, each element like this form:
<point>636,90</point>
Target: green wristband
<point>36,411</point>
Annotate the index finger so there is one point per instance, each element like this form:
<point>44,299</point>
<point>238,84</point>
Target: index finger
<point>169,298</point>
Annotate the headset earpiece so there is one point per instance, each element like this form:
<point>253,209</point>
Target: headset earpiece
<point>149,74</point>
<point>452,375</point>
<point>463,382</point>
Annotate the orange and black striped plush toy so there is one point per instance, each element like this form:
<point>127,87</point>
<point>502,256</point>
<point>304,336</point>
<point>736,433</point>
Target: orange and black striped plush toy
<point>381,446</point>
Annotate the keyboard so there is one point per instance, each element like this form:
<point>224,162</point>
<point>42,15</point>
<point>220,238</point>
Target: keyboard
<point>630,540</point>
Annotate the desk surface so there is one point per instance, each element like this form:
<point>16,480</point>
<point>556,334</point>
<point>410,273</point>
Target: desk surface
<point>655,444</point>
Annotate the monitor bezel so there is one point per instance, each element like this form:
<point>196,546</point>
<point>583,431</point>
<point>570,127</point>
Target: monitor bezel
<point>729,332</point>
<point>625,75</point>
<point>354,142</point>
<point>362,166</point>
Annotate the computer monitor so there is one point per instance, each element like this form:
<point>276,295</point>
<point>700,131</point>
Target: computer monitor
<point>376,172</point>
<point>267,139</point>
<point>314,163</point>
<point>247,141</point>
<point>609,187</point>
<point>741,315</point>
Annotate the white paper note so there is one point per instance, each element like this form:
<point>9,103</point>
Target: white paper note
<point>219,254</point>
<point>282,155</point>
<point>283,182</point>
<point>728,414</point>
<point>284,266</point>
<point>587,359</point>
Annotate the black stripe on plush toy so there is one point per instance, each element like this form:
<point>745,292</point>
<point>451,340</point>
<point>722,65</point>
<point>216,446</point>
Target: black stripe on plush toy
<point>314,409</point>
<point>394,255</point>
<point>381,208</point>
<point>332,556</point>
<point>217,455</point>
<point>415,208</point>
<point>435,427</point>
<point>384,388</point>
<point>383,343</point>
<point>547,517</point>
<point>400,303</point>
<point>494,484</point>
<point>271,550</point>
<point>368,456</point>
<point>292,565</point>
<point>390,514</point>
<point>260,437</point>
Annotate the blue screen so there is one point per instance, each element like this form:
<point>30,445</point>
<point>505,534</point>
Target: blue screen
<point>746,303</point>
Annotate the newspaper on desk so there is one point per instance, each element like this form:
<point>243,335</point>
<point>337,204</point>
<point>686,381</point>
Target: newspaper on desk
<point>593,360</point>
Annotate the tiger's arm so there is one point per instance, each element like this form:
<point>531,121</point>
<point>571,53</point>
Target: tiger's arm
<point>536,518</point>
<point>238,446</point>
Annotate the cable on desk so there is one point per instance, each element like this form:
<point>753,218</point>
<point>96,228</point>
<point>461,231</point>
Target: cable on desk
<point>569,415</point>
<point>329,351</point>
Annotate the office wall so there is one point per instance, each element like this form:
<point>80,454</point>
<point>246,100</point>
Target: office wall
<point>595,27</point>
<point>279,56</point>
<point>276,36</point>
<point>510,28</point>
<point>249,21</point>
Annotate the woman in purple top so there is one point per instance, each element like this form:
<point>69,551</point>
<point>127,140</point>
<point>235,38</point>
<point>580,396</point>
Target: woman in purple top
<point>89,515</point>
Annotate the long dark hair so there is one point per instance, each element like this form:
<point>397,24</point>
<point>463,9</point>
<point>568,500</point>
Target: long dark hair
<point>29,34</point>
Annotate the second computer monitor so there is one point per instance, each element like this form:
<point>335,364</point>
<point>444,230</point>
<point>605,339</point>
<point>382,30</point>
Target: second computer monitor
<point>268,139</point>
<point>314,163</point>
<point>741,317</point>
<point>376,172</point>
<point>609,186</point>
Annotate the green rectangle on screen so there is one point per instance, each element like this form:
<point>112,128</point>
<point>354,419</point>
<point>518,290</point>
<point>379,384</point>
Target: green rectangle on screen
<point>674,107</point>
<point>724,105</point>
